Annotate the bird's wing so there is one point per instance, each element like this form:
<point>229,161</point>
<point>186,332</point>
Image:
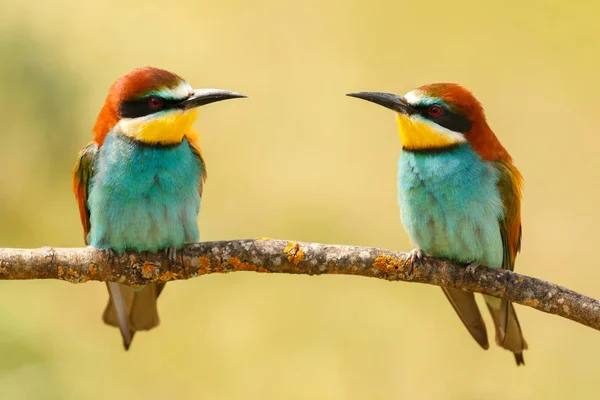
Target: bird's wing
<point>193,139</point>
<point>82,175</point>
<point>509,186</point>
<point>508,330</point>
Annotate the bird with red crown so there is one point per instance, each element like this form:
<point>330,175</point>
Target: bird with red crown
<point>139,183</point>
<point>459,195</point>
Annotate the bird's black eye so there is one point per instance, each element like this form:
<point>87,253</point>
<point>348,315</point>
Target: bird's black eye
<point>155,102</point>
<point>141,106</point>
<point>435,111</point>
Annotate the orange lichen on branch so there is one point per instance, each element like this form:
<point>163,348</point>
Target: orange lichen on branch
<point>289,247</point>
<point>235,262</point>
<point>386,263</point>
<point>92,268</point>
<point>71,275</point>
<point>171,276</point>
<point>294,253</point>
<point>148,270</point>
<point>203,265</point>
<point>245,266</point>
<point>239,265</point>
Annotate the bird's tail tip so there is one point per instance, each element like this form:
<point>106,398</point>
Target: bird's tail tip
<point>519,359</point>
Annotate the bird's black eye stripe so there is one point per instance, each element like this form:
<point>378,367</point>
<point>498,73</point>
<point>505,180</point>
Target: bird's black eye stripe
<point>448,119</point>
<point>145,106</point>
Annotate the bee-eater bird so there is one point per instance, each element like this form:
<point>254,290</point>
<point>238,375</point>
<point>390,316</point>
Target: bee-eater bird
<point>139,183</point>
<point>459,194</point>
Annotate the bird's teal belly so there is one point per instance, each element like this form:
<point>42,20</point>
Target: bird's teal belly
<point>144,198</point>
<point>450,205</point>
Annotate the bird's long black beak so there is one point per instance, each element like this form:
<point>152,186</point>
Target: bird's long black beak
<point>388,100</point>
<point>201,97</point>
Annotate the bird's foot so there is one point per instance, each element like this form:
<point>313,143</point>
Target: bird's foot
<point>472,268</point>
<point>414,256</point>
<point>171,253</point>
<point>111,255</point>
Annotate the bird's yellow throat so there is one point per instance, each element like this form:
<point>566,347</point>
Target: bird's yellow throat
<point>421,134</point>
<point>166,129</point>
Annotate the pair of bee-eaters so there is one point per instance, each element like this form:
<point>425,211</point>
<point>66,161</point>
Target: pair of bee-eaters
<point>139,186</point>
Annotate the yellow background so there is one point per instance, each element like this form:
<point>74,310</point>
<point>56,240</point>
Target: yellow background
<point>299,160</point>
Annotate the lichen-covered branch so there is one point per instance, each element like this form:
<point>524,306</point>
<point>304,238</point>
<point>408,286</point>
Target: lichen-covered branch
<point>280,256</point>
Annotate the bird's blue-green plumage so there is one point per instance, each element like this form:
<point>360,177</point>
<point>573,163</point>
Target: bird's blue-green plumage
<point>450,204</point>
<point>144,198</point>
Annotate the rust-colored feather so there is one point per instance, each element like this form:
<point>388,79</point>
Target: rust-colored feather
<point>510,186</point>
<point>82,174</point>
<point>128,86</point>
<point>481,136</point>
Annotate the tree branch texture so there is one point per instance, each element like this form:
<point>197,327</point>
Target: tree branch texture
<point>78,265</point>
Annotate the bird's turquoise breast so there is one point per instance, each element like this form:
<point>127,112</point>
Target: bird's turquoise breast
<point>450,205</point>
<point>143,198</point>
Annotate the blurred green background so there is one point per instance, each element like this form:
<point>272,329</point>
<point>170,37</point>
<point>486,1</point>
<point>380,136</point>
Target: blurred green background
<point>298,160</point>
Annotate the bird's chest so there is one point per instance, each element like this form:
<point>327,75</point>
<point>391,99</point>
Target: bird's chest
<point>143,198</point>
<point>450,205</point>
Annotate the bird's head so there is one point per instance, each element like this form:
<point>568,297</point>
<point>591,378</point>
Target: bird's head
<point>440,116</point>
<point>153,106</point>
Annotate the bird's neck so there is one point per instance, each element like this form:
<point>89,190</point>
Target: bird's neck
<point>486,144</point>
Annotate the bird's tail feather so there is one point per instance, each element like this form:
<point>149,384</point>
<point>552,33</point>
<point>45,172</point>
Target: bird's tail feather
<point>465,306</point>
<point>144,315</point>
<point>131,309</point>
<point>508,330</point>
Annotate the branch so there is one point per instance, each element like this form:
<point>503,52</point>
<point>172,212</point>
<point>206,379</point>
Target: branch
<point>278,256</point>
